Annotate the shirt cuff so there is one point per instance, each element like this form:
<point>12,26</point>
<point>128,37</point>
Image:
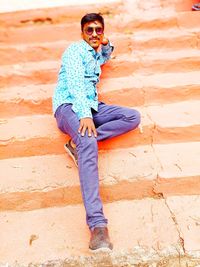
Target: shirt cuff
<point>82,112</point>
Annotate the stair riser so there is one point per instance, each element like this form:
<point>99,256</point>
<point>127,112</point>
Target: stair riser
<point>131,97</point>
<point>21,201</point>
<point>181,186</point>
<point>54,145</point>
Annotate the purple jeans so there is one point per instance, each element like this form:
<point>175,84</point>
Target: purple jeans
<point>110,121</point>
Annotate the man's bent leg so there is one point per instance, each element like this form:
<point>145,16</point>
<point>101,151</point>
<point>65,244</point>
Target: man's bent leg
<point>87,163</point>
<point>113,120</point>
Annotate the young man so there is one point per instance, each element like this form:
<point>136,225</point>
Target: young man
<point>80,115</point>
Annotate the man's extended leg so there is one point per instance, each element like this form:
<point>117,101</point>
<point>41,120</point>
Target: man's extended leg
<point>87,151</point>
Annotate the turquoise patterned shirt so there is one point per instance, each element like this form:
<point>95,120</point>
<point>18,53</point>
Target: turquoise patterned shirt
<point>79,73</point>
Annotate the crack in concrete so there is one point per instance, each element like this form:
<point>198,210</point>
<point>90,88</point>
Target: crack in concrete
<point>159,194</point>
<point>43,189</point>
<point>152,141</point>
<point>180,234</point>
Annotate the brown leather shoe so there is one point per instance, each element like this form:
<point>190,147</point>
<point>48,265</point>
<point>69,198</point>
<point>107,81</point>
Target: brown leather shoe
<point>100,239</point>
<point>72,152</point>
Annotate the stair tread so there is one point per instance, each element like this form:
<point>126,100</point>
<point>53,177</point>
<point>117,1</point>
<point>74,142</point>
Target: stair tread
<point>53,171</point>
<point>54,226</point>
<point>13,5</point>
<point>49,234</point>
<point>168,55</point>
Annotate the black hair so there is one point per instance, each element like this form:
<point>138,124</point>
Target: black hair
<point>91,17</point>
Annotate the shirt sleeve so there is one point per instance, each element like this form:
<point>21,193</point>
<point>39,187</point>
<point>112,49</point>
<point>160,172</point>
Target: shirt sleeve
<point>75,75</point>
<point>106,51</point>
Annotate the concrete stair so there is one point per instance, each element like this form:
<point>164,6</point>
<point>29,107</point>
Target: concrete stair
<point>149,178</point>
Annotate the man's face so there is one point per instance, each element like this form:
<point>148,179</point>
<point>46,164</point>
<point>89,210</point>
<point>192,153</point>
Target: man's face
<point>93,34</point>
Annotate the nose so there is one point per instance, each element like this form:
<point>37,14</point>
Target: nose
<point>94,34</point>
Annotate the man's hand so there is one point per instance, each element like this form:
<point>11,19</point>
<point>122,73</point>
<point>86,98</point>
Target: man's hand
<point>105,41</point>
<point>87,124</point>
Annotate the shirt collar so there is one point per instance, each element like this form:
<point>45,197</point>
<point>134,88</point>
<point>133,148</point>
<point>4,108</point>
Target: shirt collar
<point>89,48</point>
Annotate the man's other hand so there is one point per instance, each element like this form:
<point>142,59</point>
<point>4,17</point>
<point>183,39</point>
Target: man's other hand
<point>87,124</point>
<point>105,41</point>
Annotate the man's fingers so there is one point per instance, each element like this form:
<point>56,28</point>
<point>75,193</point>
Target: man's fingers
<point>89,131</point>
<point>94,131</point>
<point>87,124</point>
<point>83,130</point>
<point>80,128</point>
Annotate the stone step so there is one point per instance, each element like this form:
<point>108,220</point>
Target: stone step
<point>131,173</point>
<point>34,13</point>
<point>59,236</point>
<point>124,43</point>
<point>54,32</point>
<point>44,72</point>
<point>166,39</point>
<point>34,52</point>
<point>42,181</point>
<point>160,18</point>
<point>136,90</point>
<point>163,21</point>
<point>45,29</point>
<point>177,122</point>
<point>51,32</point>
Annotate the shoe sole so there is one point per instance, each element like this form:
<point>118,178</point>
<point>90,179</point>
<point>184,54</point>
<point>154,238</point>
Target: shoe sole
<point>101,250</point>
<point>70,154</point>
<point>196,7</point>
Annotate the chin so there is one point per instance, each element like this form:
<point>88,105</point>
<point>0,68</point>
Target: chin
<point>94,46</point>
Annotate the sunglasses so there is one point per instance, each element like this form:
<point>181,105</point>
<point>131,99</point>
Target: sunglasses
<point>90,30</point>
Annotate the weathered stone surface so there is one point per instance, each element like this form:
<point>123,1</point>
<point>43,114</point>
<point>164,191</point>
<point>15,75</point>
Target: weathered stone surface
<point>39,131</point>
<point>122,65</point>
<point>43,181</point>
<point>61,234</point>
<point>186,212</point>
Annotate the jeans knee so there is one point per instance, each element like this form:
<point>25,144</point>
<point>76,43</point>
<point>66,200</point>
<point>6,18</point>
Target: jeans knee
<point>134,118</point>
<point>137,118</point>
<point>88,142</point>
